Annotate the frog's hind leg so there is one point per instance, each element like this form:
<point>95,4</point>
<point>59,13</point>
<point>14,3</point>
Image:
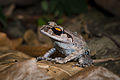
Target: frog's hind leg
<point>47,55</point>
<point>85,61</point>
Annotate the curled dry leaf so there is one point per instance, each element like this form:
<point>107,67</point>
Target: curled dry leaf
<point>10,57</point>
<point>31,38</point>
<point>16,42</point>
<point>95,73</point>
<point>6,43</point>
<point>34,50</point>
<point>26,70</point>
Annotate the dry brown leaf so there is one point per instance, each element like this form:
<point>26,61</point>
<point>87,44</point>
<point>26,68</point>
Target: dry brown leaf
<point>95,73</point>
<point>10,57</point>
<point>6,43</point>
<point>26,70</point>
<point>31,38</point>
<point>59,71</point>
<point>34,50</point>
<point>16,42</point>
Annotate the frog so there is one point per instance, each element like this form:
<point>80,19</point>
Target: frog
<point>72,45</point>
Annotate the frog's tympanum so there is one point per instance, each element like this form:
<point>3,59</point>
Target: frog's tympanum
<point>71,45</point>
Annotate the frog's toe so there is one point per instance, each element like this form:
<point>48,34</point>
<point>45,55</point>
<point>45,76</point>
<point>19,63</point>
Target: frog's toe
<point>85,65</point>
<point>59,60</point>
<point>40,58</point>
<point>43,58</point>
<point>82,65</point>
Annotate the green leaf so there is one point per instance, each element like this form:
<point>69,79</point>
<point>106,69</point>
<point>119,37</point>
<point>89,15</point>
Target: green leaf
<point>41,22</point>
<point>3,20</point>
<point>53,5</point>
<point>60,21</point>
<point>67,7</point>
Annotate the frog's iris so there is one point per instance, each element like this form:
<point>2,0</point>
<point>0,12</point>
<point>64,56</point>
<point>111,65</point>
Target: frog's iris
<point>57,30</point>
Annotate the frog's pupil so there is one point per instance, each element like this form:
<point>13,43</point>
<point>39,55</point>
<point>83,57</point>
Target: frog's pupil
<point>57,32</point>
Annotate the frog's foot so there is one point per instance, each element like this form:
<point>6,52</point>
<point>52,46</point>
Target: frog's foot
<point>85,61</point>
<point>59,60</point>
<point>43,58</point>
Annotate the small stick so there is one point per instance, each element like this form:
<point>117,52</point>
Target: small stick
<point>9,11</point>
<point>106,59</point>
<point>117,44</point>
<point>86,27</point>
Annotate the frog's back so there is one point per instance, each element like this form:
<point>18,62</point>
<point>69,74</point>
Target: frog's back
<point>77,39</point>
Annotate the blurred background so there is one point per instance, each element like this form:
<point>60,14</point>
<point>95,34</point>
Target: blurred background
<point>97,20</point>
<point>16,16</point>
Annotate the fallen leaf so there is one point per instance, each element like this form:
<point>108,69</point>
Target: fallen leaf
<point>34,50</point>
<point>6,43</point>
<point>31,38</point>
<point>26,70</point>
<point>94,73</point>
<point>59,71</point>
<point>10,57</point>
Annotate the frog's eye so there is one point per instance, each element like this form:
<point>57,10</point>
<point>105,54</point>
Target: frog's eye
<point>58,29</point>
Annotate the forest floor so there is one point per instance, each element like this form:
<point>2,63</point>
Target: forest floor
<point>22,40</point>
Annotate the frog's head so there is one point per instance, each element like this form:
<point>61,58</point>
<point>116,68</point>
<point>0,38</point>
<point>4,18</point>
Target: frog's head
<point>56,32</point>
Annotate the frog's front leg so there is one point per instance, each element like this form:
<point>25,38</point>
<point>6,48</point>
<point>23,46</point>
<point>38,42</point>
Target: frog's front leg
<point>47,55</point>
<point>50,52</point>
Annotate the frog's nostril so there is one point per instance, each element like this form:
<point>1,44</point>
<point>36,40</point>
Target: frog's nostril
<point>87,52</point>
<point>48,27</point>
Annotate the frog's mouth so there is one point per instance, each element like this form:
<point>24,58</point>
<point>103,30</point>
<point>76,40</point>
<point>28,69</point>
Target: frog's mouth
<point>64,37</point>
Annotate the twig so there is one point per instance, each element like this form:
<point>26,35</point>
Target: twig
<point>106,59</point>
<point>117,44</point>
<point>86,27</point>
<point>10,10</point>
